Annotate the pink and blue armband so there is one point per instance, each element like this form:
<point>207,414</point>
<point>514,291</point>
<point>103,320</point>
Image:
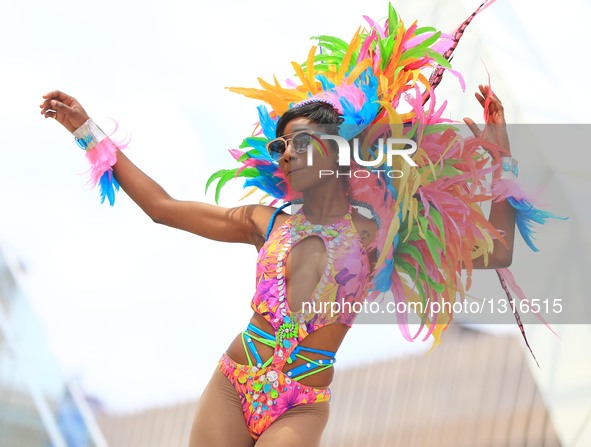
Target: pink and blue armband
<point>101,153</point>
<point>526,212</point>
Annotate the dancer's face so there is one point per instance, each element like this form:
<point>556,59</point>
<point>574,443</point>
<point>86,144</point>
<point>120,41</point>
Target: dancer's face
<point>295,165</point>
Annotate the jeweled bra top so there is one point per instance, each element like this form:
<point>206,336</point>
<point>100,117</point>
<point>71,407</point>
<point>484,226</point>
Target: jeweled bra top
<point>344,280</point>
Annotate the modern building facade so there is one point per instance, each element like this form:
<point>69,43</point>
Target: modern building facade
<point>39,407</point>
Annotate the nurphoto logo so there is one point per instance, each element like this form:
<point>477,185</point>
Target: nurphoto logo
<point>389,148</point>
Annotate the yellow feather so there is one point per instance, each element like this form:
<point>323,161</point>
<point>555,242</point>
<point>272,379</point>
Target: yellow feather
<point>249,193</point>
<point>310,71</point>
<point>489,246</point>
<point>447,149</point>
<point>360,68</point>
<point>347,58</point>
<point>423,80</point>
<point>300,73</point>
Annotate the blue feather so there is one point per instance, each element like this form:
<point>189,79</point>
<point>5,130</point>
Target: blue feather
<point>108,186</point>
<point>267,185</point>
<point>326,84</point>
<point>259,145</point>
<point>382,281</point>
<point>526,215</point>
<point>268,124</point>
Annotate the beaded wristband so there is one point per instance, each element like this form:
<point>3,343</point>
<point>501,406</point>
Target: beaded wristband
<point>510,168</point>
<point>88,135</point>
<point>101,153</point>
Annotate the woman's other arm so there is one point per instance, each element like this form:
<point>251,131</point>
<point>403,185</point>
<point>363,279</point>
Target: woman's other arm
<point>241,224</point>
<point>502,214</point>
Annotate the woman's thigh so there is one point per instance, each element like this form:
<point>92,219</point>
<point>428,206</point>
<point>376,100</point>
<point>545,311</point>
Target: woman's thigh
<point>300,426</point>
<point>219,421</point>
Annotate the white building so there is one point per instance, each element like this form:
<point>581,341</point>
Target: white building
<point>39,407</point>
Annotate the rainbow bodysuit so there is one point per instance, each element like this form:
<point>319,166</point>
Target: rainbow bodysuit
<point>270,388</point>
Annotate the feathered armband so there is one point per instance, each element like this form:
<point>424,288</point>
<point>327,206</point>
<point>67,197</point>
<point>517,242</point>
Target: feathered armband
<point>101,153</point>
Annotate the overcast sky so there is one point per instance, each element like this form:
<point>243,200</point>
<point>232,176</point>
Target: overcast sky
<point>131,307</point>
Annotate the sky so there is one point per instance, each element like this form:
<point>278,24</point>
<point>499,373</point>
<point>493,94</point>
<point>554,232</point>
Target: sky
<point>140,312</point>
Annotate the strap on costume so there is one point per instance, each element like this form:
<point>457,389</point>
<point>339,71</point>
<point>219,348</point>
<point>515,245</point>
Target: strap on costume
<point>311,366</point>
<point>299,372</point>
<point>270,227</point>
<point>253,332</point>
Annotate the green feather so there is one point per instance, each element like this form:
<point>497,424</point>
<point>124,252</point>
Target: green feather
<point>393,22</point>
<point>413,236</point>
<point>433,244</point>
<point>430,40</point>
<point>386,48</point>
<point>332,43</point>
<point>447,171</point>
<point>214,176</point>
<point>438,221</point>
<point>439,58</point>
<point>438,128</point>
<point>423,49</point>
<point>413,252</point>
<point>225,175</point>
<point>439,288</point>
<point>424,29</point>
<point>229,175</point>
<point>246,142</point>
<point>322,61</point>
<point>219,175</point>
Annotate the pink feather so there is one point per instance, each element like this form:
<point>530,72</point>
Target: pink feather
<point>101,157</point>
<point>376,26</point>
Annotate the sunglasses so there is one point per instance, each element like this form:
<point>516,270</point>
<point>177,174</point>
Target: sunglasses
<point>300,140</point>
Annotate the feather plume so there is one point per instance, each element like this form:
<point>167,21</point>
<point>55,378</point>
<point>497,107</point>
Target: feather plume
<point>430,219</point>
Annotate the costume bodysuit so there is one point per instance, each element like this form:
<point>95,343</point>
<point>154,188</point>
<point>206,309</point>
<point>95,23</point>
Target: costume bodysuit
<point>265,389</point>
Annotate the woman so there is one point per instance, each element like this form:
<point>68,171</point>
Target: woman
<point>271,385</point>
<point>220,419</point>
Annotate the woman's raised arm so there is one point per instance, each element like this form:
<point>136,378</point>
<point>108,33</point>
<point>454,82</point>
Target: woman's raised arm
<point>241,224</point>
<point>502,214</point>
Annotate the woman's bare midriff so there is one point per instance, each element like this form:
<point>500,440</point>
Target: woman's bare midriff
<point>327,338</point>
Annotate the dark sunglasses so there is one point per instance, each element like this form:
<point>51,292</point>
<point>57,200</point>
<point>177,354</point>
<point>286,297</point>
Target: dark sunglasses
<point>300,140</point>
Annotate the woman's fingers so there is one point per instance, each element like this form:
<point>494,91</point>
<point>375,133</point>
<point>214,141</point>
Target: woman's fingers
<point>56,106</point>
<point>481,99</point>
<point>56,94</point>
<point>63,108</point>
<point>486,92</point>
<point>59,105</point>
<point>48,110</point>
<point>491,102</point>
<point>473,127</point>
<point>49,104</point>
<point>63,98</point>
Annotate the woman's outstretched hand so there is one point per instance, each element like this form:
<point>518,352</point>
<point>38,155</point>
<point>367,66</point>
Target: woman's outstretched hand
<point>502,214</point>
<point>64,109</point>
<point>495,129</point>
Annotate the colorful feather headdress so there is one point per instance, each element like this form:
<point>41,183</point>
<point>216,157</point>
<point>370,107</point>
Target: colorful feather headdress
<point>430,218</point>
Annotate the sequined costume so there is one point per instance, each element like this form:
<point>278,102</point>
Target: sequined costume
<point>266,390</point>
